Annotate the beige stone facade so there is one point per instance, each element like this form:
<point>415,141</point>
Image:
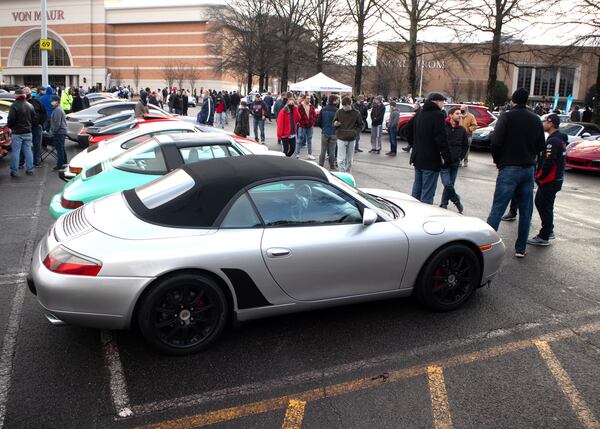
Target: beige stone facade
<point>108,36</point>
<point>461,71</point>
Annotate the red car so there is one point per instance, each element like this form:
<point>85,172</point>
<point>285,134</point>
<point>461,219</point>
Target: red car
<point>92,135</point>
<point>4,141</point>
<point>585,155</point>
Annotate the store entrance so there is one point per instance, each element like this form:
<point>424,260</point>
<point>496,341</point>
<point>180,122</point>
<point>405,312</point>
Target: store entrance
<point>36,80</point>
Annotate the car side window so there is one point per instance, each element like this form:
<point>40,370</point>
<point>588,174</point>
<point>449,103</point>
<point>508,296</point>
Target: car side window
<point>136,141</point>
<point>111,110</point>
<point>145,158</point>
<point>304,203</point>
<point>202,153</point>
<point>241,215</point>
<point>405,109</point>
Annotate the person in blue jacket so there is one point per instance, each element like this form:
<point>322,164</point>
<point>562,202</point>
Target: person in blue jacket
<point>46,100</point>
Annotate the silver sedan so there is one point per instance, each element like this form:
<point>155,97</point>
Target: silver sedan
<point>247,237</point>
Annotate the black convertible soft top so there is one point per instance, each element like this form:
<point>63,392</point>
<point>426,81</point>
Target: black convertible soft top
<point>217,181</point>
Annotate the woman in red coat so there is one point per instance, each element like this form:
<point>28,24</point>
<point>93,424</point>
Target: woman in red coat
<point>287,125</point>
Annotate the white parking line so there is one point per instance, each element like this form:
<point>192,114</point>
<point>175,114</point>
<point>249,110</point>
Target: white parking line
<point>10,279</point>
<point>8,349</point>
<point>14,320</point>
<point>118,385</point>
<point>269,386</point>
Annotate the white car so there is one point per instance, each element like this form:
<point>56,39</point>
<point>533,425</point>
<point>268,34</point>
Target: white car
<point>402,107</point>
<point>111,147</point>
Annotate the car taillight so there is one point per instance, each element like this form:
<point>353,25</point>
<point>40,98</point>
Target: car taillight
<point>61,261</point>
<point>75,170</point>
<point>68,204</point>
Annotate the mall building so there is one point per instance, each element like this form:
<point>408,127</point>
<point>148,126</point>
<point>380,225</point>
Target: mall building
<point>461,70</point>
<point>94,38</point>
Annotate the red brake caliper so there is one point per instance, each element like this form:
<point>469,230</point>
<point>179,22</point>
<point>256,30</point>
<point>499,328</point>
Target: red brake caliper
<point>438,273</point>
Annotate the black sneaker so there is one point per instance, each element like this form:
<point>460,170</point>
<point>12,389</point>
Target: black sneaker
<point>509,217</point>
<point>459,207</point>
<point>538,241</point>
<point>29,173</point>
<point>406,148</point>
<point>57,168</point>
<point>551,236</point>
<point>520,254</point>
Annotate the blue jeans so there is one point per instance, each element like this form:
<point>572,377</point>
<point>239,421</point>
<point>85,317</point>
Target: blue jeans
<point>304,138</point>
<point>393,134</point>
<point>259,123</point>
<point>424,185</point>
<point>21,142</point>
<point>59,145</point>
<point>448,177</point>
<point>36,133</point>
<point>514,182</point>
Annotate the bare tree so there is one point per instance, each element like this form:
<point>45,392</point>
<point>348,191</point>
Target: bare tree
<point>407,19</point>
<point>136,77</point>
<point>181,70</point>
<point>363,13</point>
<point>324,22</point>
<point>192,76</point>
<point>496,18</point>
<point>116,77</point>
<point>168,72</point>
<point>590,36</point>
<point>292,17</point>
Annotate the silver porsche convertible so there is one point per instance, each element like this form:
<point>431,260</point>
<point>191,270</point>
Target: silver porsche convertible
<point>249,237</point>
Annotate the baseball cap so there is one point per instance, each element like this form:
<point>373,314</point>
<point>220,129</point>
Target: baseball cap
<point>553,117</point>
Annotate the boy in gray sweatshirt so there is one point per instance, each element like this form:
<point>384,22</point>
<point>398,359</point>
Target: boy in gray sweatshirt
<point>58,129</point>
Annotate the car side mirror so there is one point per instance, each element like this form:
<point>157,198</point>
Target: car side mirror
<point>369,217</point>
<point>585,135</point>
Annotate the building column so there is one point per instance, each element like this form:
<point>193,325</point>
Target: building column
<point>557,84</point>
<point>532,84</point>
<point>67,81</point>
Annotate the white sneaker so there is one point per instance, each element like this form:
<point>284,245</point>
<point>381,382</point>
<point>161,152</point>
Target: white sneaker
<point>310,157</point>
<point>297,156</point>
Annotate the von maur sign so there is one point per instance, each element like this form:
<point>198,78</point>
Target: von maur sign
<point>30,15</point>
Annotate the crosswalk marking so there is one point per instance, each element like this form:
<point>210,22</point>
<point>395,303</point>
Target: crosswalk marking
<point>584,414</point>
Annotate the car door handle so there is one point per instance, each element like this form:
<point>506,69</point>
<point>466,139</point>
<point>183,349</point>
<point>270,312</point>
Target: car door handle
<point>276,252</point>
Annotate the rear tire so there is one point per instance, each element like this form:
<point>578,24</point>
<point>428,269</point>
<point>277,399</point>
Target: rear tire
<point>448,278</point>
<point>183,314</point>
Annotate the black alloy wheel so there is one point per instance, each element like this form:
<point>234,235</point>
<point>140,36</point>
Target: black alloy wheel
<point>449,278</point>
<point>183,314</point>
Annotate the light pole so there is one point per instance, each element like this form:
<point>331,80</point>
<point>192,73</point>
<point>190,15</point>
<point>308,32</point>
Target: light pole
<point>44,52</point>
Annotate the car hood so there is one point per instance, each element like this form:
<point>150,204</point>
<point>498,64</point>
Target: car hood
<point>111,215</point>
<point>586,149</point>
<point>479,131</point>
<point>411,206</point>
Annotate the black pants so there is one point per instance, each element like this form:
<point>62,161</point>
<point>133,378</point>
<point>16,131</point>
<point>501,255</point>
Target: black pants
<point>544,202</point>
<point>289,146</point>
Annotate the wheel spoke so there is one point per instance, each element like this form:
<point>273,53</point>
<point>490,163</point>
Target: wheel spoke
<point>202,309</point>
<point>165,310</point>
<point>165,323</point>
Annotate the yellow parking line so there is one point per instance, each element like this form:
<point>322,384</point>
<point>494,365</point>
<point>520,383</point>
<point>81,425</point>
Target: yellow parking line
<point>294,414</point>
<point>585,415</point>
<point>442,418</point>
<point>281,402</point>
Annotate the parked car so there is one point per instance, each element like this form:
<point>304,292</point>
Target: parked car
<point>585,155</point>
<point>577,131</point>
<point>482,115</point>
<point>202,247</point>
<point>482,137</point>
<point>192,101</point>
<point>113,146</point>
<point>75,121</point>
<point>144,163</point>
<point>95,97</point>
<point>4,108</point>
<point>96,134</point>
<point>403,107</point>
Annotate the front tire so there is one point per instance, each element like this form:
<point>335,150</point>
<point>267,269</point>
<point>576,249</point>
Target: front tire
<point>183,314</point>
<point>448,278</point>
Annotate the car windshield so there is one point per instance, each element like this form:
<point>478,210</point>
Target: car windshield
<point>570,129</point>
<point>165,189</point>
<point>144,158</point>
<point>389,208</point>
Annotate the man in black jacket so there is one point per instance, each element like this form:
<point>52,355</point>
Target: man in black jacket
<point>21,117</point>
<point>430,151</point>
<point>36,128</point>
<point>549,178</point>
<point>458,143</point>
<point>364,112</point>
<point>518,139</point>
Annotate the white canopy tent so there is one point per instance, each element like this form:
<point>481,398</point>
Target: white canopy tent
<point>320,83</point>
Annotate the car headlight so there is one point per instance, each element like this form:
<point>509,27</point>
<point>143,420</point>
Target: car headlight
<point>483,134</point>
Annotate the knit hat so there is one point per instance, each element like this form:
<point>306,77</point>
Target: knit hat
<point>436,96</point>
<point>520,96</point>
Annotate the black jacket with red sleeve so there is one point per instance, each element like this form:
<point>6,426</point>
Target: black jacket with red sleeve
<point>551,162</point>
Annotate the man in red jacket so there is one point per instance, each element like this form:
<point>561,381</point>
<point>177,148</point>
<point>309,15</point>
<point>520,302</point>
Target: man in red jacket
<point>287,125</point>
<point>308,118</point>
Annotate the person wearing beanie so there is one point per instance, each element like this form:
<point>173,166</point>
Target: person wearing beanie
<point>21,118</point>
<point>58,129</point>
<point>430,152</point>
<point>549,178</point>
<point>518,139</point>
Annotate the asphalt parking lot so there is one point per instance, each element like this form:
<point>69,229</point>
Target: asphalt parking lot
<point>522,353</point>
